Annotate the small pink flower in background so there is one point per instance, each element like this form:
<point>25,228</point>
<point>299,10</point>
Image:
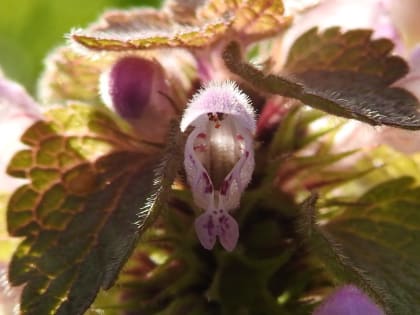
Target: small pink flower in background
<point>406,19</point>
<point>9,296</point>
<point>17,112</point>
<point>348,300</point>
<point>219,158</point>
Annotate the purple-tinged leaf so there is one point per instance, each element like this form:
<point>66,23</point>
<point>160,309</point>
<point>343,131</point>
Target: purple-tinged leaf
<point>184,24</point>
<point>92,191</point>
<point>252,20</point>
<point>345,74</point>
<point>145,29</point>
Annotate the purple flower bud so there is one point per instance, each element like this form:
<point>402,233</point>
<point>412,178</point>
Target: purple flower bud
<point>219,158</point>
<point>348,300</point>
<point>135,88</point>
<point>128,85</point>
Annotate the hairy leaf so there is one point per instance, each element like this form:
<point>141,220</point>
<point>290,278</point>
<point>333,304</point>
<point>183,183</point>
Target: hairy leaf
<point>330,253</point>
<point>141,29</point>
<point>184,24</point>
<point>70,76</point>
<point>92,190</point>
<point>252,20</point>
<point>380,235</point>
<point>374,243</point>
<point>183,11</point>
<point>345,74</point>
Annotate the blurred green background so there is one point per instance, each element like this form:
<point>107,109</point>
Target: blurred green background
<point>29,29</point>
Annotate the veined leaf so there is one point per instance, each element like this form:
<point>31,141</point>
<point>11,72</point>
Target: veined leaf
<point>142,29</point>
<point>252,20</point>
<point>345,74</point>
<point>331,255</point>
<point>7,243</point>
<point>184,24</point>
<point>71,76</point>
<point>381,235</point>
<point>92,191</point>
<point>374,243</point>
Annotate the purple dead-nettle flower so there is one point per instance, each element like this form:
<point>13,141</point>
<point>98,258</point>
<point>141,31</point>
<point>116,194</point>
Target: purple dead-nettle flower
<point>219,158</point>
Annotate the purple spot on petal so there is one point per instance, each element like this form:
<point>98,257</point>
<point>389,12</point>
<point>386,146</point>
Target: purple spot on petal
<point>229,232</point>
<point>209,226</point>
<point>224,188</point>
<point>209,187</point>
<point>206,230</point>
<point>191,159</point>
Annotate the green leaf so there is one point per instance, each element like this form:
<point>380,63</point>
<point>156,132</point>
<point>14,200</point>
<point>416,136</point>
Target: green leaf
<point>381,235</point>
<point>71,76</point>
<point>345,74</point>
<point>378,236</point>
<point>92,191</point>
<point>293,131</point>
<point>331,255</point>
<point>7,243</point>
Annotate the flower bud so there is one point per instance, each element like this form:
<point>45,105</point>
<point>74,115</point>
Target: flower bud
<point>135,88</point>
<point>130,85</point>
<point>348,300</point>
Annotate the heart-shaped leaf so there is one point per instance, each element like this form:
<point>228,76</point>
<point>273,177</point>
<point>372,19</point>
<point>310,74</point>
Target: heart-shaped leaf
<point>71,76</point>
<point>93,189</point>
<point>345,74</point>
<point>184,24</point>
<point>380,236</point>
<point>374,243</point>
